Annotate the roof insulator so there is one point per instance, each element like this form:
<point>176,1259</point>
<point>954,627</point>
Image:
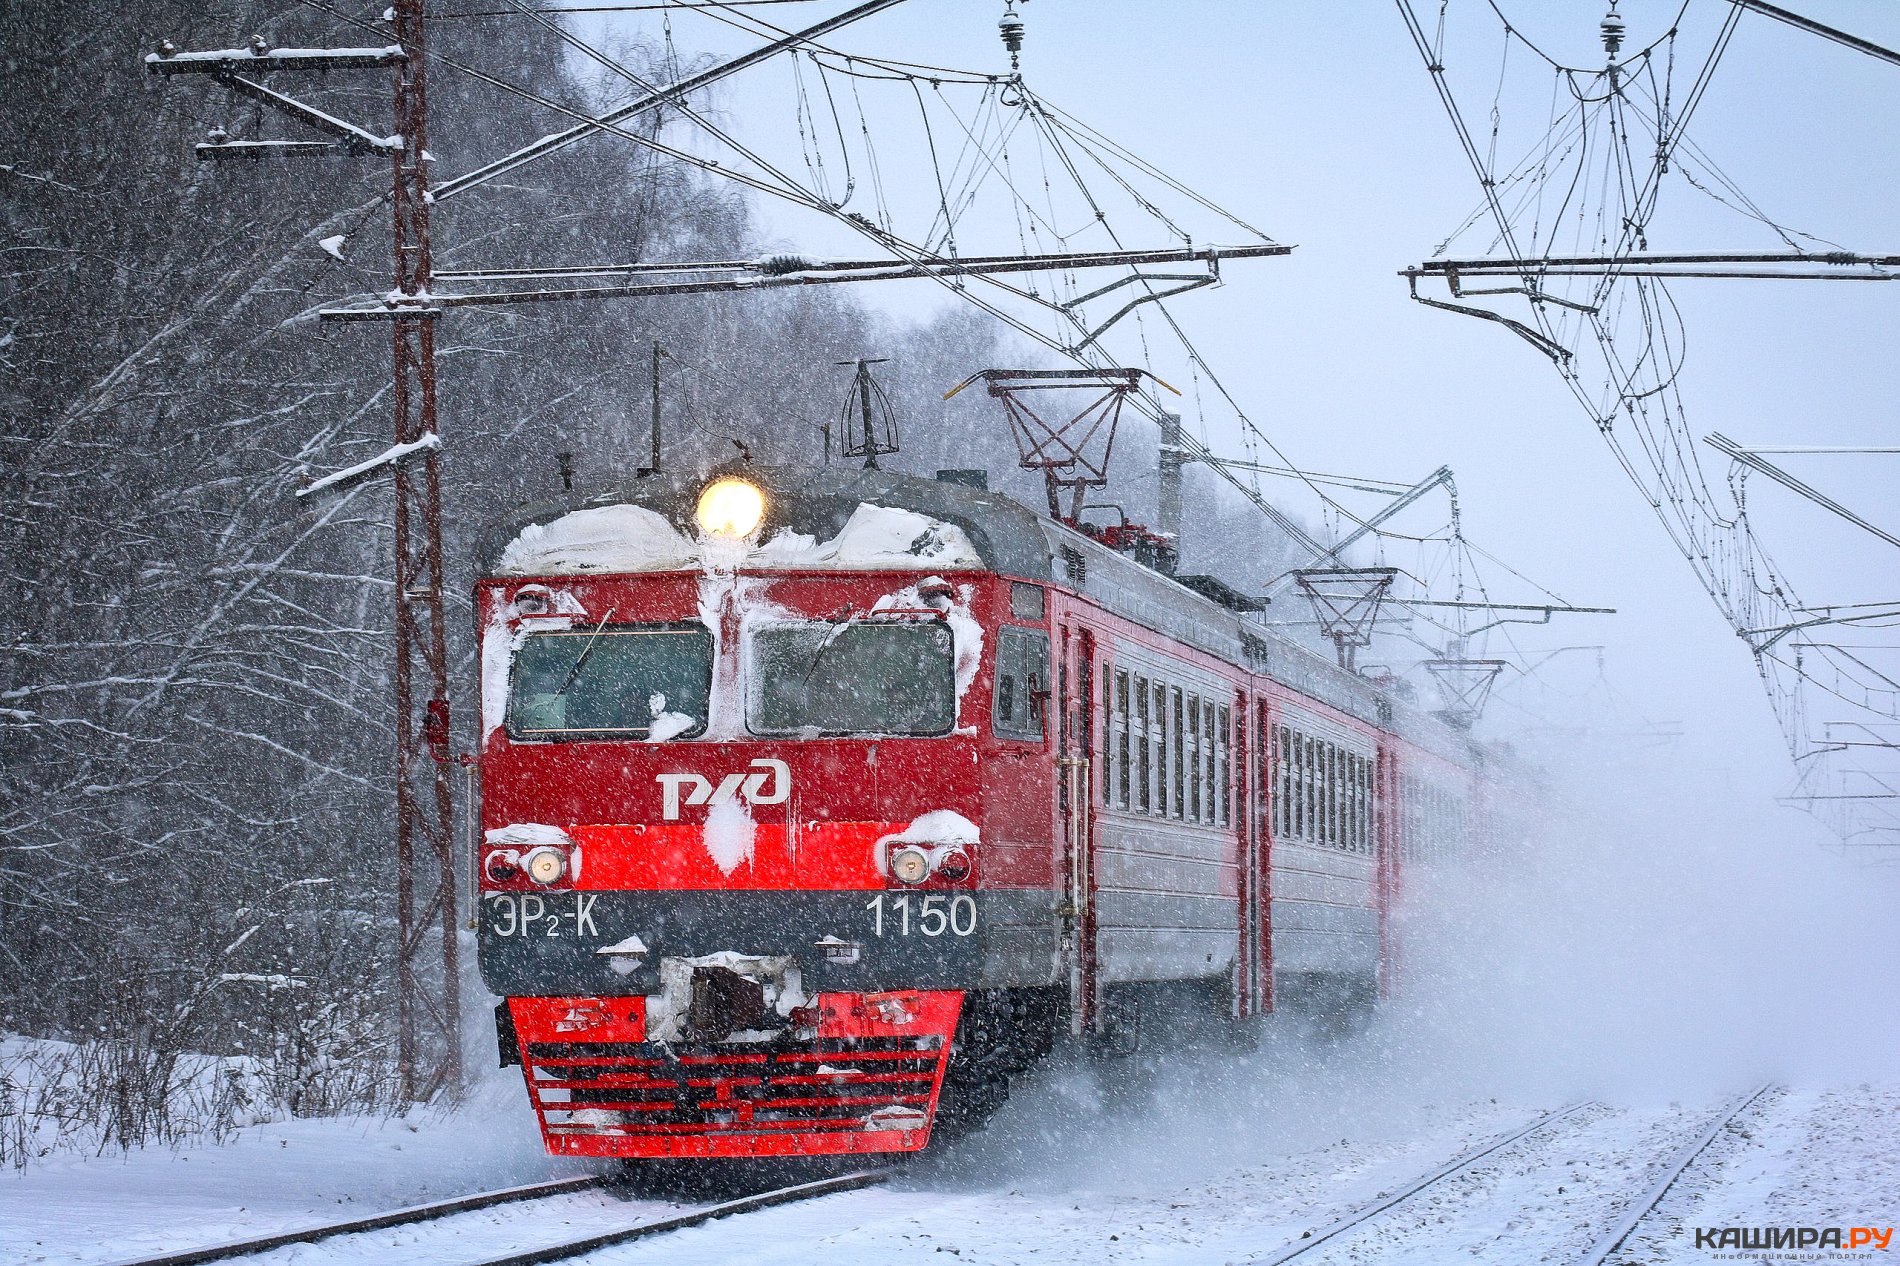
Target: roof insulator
<point>1612,33</point>
<point>780,265</point>
<point>1011,28</point>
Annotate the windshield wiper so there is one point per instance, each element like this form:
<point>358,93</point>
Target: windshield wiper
<point>837,631</point>
<point>585,652</point>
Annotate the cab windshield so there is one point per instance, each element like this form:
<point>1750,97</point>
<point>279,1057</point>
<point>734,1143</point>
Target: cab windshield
<point>640,681</point>
<point>853,677</point>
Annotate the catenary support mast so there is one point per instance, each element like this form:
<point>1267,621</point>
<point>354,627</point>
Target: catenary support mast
<point>429,1050</point>
<point>427,975</point>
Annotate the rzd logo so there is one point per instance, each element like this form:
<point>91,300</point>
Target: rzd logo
<point>770,782</point>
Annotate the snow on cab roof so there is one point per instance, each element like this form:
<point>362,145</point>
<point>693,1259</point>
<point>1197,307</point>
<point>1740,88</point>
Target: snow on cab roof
<point>823,517</point>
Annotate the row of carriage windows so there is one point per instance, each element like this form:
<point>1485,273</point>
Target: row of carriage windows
<point>1166,753</point>
<point>1165,750</point>
<point>1431,821</point>
<point>1323,792</point>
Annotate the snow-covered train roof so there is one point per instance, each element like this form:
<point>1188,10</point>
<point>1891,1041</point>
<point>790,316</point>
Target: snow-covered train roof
<point>1162,603</point>
<point>825,516</point>
<point>835,517</point>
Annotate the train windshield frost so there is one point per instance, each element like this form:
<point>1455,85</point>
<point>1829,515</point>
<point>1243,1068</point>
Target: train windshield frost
<point>616,681</point>
<point>853,677</point>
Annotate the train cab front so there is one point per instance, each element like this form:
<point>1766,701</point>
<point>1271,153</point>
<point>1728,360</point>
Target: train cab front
<point>732,860</point>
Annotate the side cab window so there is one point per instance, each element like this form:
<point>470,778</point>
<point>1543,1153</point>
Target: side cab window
<point>1022,683</point>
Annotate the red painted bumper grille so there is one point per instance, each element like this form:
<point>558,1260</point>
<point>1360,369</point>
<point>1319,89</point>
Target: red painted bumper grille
<point>653,1088</point>
<point>866,1081</point>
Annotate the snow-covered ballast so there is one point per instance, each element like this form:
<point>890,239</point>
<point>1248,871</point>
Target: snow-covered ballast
<point>735,810</point>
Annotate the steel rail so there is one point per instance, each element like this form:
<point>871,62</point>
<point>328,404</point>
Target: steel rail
<point>680,1222</point>
<point>1613,1239</point>
<point>532,1191</point>
<point>375,1222</point>
<point>1313,1239</point>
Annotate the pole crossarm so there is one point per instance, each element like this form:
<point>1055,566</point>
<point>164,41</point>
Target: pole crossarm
<point>1741,456</point>
<point>818,273</point>
<point>1357,483</point>
<point>560,140</point>
<point>220,151</point>
<point>1779,266</point>
<point>356,139</point>
<point>388,459</point>
<point>1557,608</point>
<point>1544,610</point>
<point>1775,632</point>
<point>1820,450</point>
<point>168,60</point>
<point>1812,27</point>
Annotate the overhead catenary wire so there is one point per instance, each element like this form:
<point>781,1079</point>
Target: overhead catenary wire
<point>1589,189</point>
<point>1065,140</point>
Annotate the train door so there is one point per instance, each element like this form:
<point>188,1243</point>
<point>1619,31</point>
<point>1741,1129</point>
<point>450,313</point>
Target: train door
<point>1075,693</point>
<point>1242,785</point>
<point>1388,833</point>
<point>1258,792</point>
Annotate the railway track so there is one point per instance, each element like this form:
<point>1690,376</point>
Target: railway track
<point>1366,1212</point>
<point>1599,1254</point>
<point>417,1215</point>
<point>1626,1225</point>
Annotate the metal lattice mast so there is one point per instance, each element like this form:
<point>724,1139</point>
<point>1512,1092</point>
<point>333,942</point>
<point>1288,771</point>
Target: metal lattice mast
<point>429,1049</point>
<point>428,1045</point>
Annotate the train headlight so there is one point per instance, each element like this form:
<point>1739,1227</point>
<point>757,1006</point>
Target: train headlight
<point>730,509</point>
<point>545,865</point>
<point>909,864</point>
<point>502,866</point>
<point>952,863</point>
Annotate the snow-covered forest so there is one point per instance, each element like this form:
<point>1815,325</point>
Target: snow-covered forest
<point>196,855</point>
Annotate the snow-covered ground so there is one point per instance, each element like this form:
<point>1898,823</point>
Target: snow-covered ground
<point>1178,1157</point>
<point>1652,983</point>
<point>271,1177</point>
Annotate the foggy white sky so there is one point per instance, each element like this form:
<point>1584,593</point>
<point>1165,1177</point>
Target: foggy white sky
<point>1315,121</point>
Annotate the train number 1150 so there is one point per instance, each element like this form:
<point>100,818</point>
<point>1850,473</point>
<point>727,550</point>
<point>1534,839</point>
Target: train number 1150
<point>931,915</point>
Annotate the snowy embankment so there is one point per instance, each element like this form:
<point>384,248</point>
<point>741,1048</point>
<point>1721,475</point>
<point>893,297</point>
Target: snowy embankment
<point>1198,1157</point>
<point>268,1177</point>
<point>1187,1157</point>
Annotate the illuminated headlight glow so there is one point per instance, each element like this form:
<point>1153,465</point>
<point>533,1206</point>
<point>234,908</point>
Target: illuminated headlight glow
<point>909,864</point>
<point>545,865</point>
<point>730,509</point>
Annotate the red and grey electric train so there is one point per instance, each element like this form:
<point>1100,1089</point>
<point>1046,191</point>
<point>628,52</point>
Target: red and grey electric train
<point>817,802</point>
